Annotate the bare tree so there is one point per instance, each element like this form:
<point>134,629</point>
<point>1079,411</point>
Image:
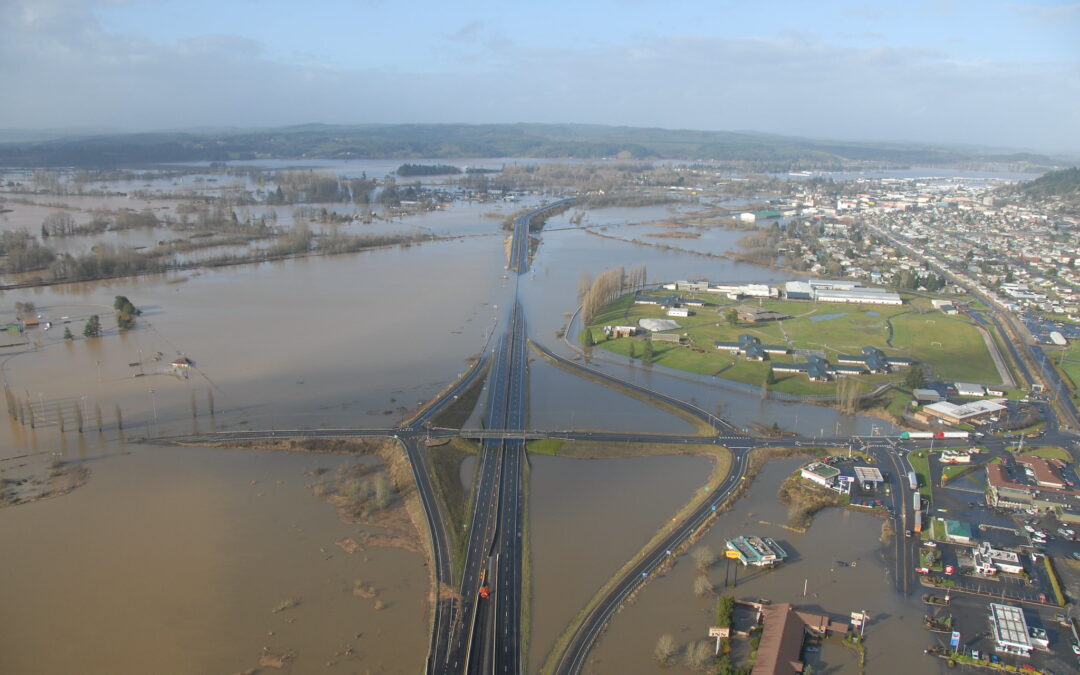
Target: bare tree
<point>699,654</point>
<point>666,650</point>
<point>702,586</point>
<point>703,558</point>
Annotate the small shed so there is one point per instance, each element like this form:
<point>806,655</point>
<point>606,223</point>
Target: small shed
<point>181,365</point>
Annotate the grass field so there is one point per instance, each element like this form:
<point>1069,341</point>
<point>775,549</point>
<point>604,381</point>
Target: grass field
<point>1047,451</point>
<point>921,465</point>
<point>953,348</point>
<point>1070,363</point>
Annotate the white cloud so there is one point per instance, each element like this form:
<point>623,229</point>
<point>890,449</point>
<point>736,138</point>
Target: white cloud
<point>62,69</point>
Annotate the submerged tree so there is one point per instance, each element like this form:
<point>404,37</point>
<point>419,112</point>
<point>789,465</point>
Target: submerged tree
<point>666,650</point>
<point>93,327</point>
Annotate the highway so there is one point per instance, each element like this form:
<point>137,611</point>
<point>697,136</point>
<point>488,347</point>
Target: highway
<point>496,524</point>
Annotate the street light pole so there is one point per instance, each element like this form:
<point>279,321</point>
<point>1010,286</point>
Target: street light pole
<point>153,400</point>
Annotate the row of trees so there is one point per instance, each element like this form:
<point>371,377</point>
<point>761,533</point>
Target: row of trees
<point>608,286</point>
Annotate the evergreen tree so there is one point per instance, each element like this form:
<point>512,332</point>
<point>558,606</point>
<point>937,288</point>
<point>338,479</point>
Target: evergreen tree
<point>67,334</point>
<point>915,379</point>
<point>93,327</point>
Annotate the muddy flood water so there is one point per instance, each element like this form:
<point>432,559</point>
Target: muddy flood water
<point>894,637</point>
<point>174,559</point>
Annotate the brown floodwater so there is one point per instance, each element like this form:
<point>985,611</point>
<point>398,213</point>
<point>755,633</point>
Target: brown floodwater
<point>169,560</point>
<point>895,639</point>
<point>173,560</point>
<point>587,518</point>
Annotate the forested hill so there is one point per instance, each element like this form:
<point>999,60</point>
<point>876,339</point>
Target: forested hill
<point>1063,183</point>
<point>408,141</point>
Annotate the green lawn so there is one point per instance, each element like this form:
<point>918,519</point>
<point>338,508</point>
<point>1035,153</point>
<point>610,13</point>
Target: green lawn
<point>952,348</point>
<point>1070,363</point>
<point>921,465</point>
<point>962,354</point>
<point>1047,451</point>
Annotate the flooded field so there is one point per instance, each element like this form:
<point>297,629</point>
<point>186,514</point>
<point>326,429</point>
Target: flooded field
<point>174,560</point>
<point>559,400</point>
<point>894,637</point>
<point>587,518</point>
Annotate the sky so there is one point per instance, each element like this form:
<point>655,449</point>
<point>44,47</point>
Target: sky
<point>978,72</point>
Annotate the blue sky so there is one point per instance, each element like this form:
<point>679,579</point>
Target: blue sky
<point>988,73</point>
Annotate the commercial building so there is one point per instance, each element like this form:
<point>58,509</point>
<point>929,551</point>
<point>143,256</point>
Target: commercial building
<point>757,551</point>
<point>975,411</point>
<point>970,390</point>
<point>782,637</point>
<point>958,532</point>
<point>926,395</point>
<point>1009,629</point>
<point>955,457</point>
<point>1045,472</point>
<point>1005,493</point>
<point>678,311</point>
<point>989,560</point>
<point>822,474</point>
<point>821,290</point>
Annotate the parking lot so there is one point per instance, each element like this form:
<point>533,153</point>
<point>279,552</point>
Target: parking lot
<point>1040,328</point>
<point>1030,536</point>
